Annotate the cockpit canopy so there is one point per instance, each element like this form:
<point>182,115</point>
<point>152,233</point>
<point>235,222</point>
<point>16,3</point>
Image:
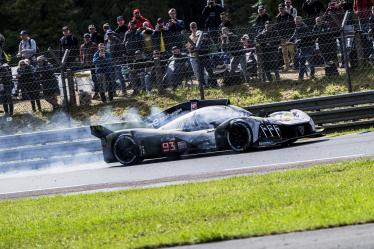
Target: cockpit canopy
<point>206,118</point>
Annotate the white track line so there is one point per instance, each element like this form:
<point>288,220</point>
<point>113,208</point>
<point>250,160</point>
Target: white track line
<point>301,162</point>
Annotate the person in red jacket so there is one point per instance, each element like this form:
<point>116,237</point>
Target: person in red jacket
<point>139,19</point>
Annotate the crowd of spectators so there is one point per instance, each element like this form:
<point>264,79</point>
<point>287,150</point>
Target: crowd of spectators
<point>139,56</point>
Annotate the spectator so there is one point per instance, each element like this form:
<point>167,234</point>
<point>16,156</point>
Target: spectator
<point>95,36</point>
<point>104,71</point>
<point>204,46</point>
<point>2,53</point>
<point>211,18</point>
<point>147,33</point>
<point>106,27</point>
<point>156,70</point>
<point>362,9</point>
<point>371,24</point>
<point>69,41</point>
<point>138,73</point>
<point>6,88</point>
<point>115,48</point>
<point>305,41</point>
<point>122,28</point>
<point>160,37</point>
<point>285,27</point>
<point>268,43</point>
<point>27,47</point>
<point>290,9</point>
<point>312,9</point>
<point>326,40</point>
<point>225,22</point>
<point>139,19</point>
<point>231,44</point>
<point>45,75</point>
<point>211,15</point>
<point>87,51</point>
<point>261,19</point>
<point>175,27</point>
<point>133,41</point>
<point>347,5</point>
<point>176,68</point>
<point>251,60</point>
<point>192,48</point>
<point>27,84</point>
<point>334,14</point>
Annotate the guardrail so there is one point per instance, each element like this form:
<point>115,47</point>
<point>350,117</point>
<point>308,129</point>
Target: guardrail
<point>343,111</point>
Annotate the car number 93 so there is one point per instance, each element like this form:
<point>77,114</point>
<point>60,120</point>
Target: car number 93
<point>169,146</point>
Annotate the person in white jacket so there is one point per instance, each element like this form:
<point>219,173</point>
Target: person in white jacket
<point>27,47</point>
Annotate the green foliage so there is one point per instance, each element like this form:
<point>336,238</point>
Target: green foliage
<point>295,200</point>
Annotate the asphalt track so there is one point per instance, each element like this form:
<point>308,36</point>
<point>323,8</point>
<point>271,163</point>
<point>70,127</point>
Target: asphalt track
<point>100,176</point>
<point>349,237</point>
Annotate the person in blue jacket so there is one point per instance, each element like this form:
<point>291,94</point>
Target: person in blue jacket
<point>105,73</point>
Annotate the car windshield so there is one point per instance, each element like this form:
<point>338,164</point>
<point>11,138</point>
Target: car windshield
<point>206,118</point>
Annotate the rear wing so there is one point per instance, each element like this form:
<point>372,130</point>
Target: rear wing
<point>101,131</point>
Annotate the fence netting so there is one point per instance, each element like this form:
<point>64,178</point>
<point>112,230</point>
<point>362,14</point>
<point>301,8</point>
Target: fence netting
<point>337,46</point>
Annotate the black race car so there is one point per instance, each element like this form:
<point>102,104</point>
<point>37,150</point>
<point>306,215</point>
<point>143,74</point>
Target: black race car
<point>202,126</point>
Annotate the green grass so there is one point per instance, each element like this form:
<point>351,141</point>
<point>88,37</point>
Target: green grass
<point>350,131</point>
<point>295,200</point>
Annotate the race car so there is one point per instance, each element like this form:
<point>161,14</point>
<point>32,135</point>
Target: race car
<point>203,126</point>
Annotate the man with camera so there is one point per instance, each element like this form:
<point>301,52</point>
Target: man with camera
<point>211,16</point>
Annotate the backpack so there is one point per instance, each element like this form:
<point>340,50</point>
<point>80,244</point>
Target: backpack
<point>36,49</point>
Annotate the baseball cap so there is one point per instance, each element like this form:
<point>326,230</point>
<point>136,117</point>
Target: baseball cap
<point>23,32</point>
<point>120,18</point>
<point>91,26</point>
<point>174,47</point>
<point>110,32</point>
<point>86,35</point>
<point>246,37</point>
<point>65,28</point>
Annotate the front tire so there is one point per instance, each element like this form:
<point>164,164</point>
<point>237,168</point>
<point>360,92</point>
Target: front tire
<point>126,151</point>
<point>239,137</point>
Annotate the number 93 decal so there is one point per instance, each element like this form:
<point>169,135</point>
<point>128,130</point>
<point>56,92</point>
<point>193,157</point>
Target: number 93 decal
<point>169,146</point>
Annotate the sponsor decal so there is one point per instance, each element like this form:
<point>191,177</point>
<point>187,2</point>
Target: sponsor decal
<point>301,130</point>
<point>193,106</point>
<point>182,145</point>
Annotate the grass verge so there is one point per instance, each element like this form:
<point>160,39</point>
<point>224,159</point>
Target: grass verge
<point>236,207</point>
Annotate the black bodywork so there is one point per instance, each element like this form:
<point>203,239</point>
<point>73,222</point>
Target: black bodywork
<point>201,126</point>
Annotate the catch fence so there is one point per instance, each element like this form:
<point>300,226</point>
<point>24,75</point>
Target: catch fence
<point>335,48</point>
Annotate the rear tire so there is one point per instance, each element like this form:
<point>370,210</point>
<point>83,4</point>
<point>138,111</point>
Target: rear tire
<point>126,151</point>
<point>239,137</point>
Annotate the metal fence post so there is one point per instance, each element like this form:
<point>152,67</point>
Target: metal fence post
<point>63,81</point>
<point>201,77</point>
<point>345,54</point>
<point>71,88</point>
